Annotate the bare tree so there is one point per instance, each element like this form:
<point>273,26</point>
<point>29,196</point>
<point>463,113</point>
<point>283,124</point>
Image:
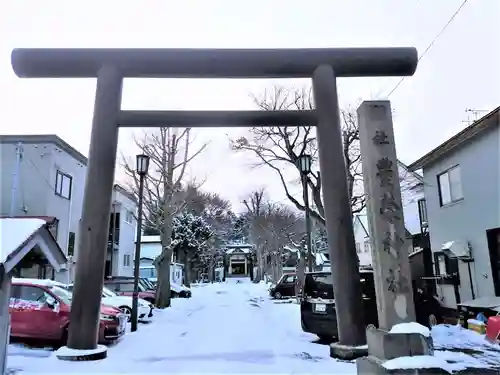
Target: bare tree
<point>271,227</point>
<point>279,147</point>
<point>254,204</point>
<point>169,152</point>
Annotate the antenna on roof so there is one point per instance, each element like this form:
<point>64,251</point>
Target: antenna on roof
<point>473,115</point>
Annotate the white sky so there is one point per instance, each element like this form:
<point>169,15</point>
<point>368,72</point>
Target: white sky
<point>460,71</point>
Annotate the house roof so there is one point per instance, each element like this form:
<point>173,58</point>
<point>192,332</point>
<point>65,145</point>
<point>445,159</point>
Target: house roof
<point>238,245</point>
<point>125,192</point>
<point>485,123</point>
<point>417,177</point>
<point>244,250</point>
<point>18,236</point>
<point>362,219</point>
<point>47,219</point>
<point>45,138</point>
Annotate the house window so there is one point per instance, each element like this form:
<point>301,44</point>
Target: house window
<point>71,244</point>
<point>64,184</point>
<point>126,260</point>
<point>367,246</point>
<point>129,217</point>
<point>358,247</point>
<point>450,186</point>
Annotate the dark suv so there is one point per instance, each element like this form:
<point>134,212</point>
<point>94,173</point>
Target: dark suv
<point>317,308</point>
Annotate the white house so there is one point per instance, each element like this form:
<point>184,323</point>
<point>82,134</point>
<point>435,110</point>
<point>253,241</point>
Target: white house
<point>151,247</point>
<point>122,229</point>
<point>44,177</point>
<point>462,195</point>
<point>412,197</point>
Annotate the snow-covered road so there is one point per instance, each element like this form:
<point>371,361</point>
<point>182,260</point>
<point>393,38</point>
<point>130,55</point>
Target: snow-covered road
<point>230,328</point>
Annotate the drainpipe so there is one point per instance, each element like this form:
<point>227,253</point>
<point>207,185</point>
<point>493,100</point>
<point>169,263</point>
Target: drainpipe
<point>69,223</point>
<point>113,231</point>
<point>15,179</point>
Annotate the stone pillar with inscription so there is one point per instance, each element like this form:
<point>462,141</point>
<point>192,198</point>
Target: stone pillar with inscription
<point>385,215</point>
<point>390,247</point>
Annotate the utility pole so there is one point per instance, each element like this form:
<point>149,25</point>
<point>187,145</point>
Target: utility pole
<point>15,179</point>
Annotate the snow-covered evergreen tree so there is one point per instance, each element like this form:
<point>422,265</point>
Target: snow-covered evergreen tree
<point>191,240</point>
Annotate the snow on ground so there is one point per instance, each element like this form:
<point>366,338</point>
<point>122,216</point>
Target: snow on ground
<point>234,327</point>
<point>465,348</point>
<point>223,328</point>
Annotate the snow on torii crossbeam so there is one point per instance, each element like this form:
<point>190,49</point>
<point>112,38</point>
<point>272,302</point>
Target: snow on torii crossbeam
<point>110,66</point>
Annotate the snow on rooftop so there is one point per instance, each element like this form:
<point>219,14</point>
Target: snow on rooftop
<point>245,250</point>
<point>410,327</point>
<point>14,232</point>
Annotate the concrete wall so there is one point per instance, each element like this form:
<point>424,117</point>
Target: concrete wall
<point>468,219</point>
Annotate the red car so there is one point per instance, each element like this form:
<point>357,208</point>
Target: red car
<point>39,309</point>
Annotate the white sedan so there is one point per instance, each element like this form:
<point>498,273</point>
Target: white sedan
<point>124,303</point>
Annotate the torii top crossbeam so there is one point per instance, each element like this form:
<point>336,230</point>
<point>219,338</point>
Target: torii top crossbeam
<point>214,63</point>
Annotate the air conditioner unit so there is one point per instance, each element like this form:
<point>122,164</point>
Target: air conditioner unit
<point>457,249</point>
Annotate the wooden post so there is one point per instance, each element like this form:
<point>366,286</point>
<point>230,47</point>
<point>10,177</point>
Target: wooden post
<point>337,202</point>
<point>94,225</point>
<point>385,215</point>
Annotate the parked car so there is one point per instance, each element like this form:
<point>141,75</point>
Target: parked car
<point>125,286</point>
<point>317,308</point>
<point>124,304</point>
<point>285,287</point>
<point>40,309</point>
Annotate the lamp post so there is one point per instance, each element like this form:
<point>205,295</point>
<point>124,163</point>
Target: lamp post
<point>304,164</point>
<point>141,168</point>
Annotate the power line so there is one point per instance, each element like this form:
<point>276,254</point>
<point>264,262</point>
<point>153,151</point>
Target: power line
<point>432,43</point>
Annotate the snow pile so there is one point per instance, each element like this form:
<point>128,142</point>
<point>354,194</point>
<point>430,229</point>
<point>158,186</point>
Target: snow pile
<point>455,337</point>
<point>411,327</point>
<point>418,362</point>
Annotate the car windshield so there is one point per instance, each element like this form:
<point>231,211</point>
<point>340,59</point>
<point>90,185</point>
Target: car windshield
<point>108,293</point>
<point>319,285</point>
<point>62,294</point>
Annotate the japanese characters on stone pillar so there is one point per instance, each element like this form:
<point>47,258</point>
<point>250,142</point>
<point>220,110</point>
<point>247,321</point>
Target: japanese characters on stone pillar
<point>385,214</point>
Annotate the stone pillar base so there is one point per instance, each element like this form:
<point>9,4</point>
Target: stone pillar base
<point>67,354</point>
<point>347,352</point>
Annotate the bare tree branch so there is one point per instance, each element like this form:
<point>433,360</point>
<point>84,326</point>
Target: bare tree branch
<point>163,197</point>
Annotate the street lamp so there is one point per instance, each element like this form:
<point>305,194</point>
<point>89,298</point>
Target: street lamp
<point>141,168</point>
<point>304,164</point>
